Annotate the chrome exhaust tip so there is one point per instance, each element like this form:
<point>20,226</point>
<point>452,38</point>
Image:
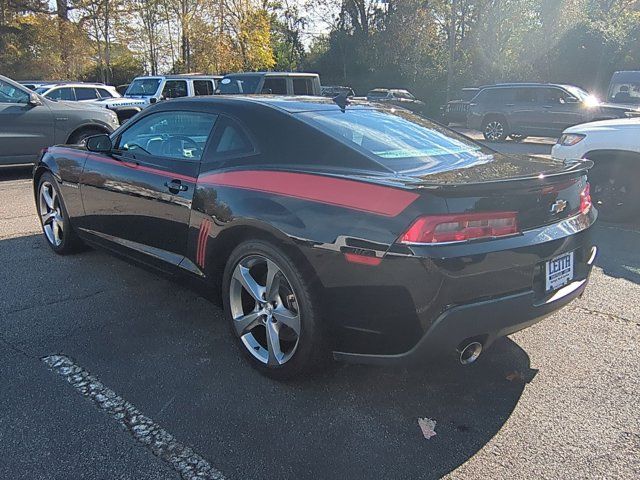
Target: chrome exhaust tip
<point>469,353</point>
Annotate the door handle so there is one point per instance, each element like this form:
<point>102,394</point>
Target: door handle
<point>176,186</point>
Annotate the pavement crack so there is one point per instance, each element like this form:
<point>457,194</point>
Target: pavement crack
<point>55,302</point>
<point>605,314</point>
<point>14,348</point>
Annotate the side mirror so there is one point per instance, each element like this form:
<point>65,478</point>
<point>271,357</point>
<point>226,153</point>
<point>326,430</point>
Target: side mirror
<point>267,91</point>
<point>153,100</point>
<point>34,100</point>
<point>571,100</point>
<point>99,143</point>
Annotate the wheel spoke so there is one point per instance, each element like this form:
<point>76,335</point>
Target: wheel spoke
<point>288,318</point>
<point>55,229</point>
<point>273,343</point>
<point>273,281</point>
<point>49,216</point>
<point>48,199</point>
<point>245,323</point>
<point>243,275</point>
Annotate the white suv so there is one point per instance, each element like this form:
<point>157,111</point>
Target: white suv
<point>614,147</point>
<point>77,92</point>
<point>149,90</point>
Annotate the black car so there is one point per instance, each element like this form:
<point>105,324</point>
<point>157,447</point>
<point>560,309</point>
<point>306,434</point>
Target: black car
<point>455,111</point>
<point>398,97</point>
<point>362,230</point>
<point>519,110</point>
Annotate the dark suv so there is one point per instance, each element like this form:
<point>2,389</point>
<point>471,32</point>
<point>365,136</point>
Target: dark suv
<point>522,109</point>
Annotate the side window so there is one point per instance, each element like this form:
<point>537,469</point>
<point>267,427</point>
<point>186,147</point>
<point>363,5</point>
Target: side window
<point>496,96</point>
<point>302,86</point>
<point>83,93</point>
<point>553,96</point>
<point>11,94</point>
<point>231,139</point>
<point>526,95</point>
<point>104,93</point>
<point>275,86</point>
<point>203,87</point>
<point>177,135</point>
<point>65,93</point>
<point>175,89</point>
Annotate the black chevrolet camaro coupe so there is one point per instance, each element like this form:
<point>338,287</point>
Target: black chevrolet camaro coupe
<point>362,230</point>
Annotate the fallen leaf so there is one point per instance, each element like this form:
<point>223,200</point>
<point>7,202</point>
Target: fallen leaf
<point>515,376</point>
<point>427,426</point>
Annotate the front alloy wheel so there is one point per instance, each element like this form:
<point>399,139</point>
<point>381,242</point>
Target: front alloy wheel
<point>51,214</point>
<point>264,310</point>
<point>495,130</point>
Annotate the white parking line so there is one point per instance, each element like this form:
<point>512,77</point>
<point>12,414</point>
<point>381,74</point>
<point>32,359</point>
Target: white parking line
<point>162,444</point>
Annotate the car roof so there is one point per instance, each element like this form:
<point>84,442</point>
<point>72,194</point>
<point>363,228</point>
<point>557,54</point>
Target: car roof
<point>181,76</point>
<point>290,104</point>
<point>525,84</point>
<point>77,84</point>
<point>271,74</point>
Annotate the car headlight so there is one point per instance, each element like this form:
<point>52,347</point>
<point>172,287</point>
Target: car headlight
<point>570,139</point>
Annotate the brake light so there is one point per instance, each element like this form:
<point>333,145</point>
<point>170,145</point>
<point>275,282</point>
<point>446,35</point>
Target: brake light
<point>461,227</point>
<point>585,199</point>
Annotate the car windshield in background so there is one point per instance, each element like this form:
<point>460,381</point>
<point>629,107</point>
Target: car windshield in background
<point>626,92</point>
<point>241,84</point>
<point>377,94</point>
<point>400,140</point>
<point>144,87</point>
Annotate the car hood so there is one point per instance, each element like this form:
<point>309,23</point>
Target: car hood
<point>80,106</point>
<point>606,125</point>
<point>621,106</point>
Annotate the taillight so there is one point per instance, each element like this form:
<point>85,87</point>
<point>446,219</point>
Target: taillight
<point>585,199</point>
<point>461,227</point>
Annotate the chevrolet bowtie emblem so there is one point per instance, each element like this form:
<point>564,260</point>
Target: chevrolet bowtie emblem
<point>558,206</point>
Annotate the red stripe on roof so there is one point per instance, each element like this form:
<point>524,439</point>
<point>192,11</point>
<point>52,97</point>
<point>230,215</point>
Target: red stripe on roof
<point>340,192</point>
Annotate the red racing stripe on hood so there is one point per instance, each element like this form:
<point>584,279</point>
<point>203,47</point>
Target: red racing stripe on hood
<point>340,192</point>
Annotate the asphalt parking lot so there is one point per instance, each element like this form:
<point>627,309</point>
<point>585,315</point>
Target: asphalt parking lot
<point>559,400</point>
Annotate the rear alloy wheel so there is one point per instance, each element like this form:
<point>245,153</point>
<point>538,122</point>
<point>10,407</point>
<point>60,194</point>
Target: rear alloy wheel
<point>495,130</point>
<point>269,307</point>
<point>53,217</point>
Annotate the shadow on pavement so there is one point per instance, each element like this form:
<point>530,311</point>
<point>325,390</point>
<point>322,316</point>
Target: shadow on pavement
<point>619,246</point>
<point>169,352</point>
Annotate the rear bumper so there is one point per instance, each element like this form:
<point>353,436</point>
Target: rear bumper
<point>484,321</point>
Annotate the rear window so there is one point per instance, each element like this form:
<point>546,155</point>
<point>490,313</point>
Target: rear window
<point>302,86</point>
<point>203,87</point>
<point>400,140</point>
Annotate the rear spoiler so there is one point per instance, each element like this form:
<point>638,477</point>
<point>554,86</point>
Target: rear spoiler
<point>570,168</point>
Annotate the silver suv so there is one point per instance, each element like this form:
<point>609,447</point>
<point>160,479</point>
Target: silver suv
<point>30,122</point>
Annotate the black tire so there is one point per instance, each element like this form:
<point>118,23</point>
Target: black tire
<point>83,134</point>
<point>517,137</point>
<point>615,191</point>
<point>310,352</point>
<point>69,242</point>
<point>495,128</point>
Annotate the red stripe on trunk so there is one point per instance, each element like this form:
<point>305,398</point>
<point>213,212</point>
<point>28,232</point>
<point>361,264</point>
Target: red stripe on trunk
<point>365,197</point>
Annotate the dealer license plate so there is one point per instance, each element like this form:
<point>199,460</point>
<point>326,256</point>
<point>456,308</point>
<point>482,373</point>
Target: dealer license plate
<point>559,271</point>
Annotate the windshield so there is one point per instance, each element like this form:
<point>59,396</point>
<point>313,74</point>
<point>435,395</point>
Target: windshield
<point>145,87</point>
<point>377,94</point>
<point>579,93</point>
<point>235,84</point>
<point>401,140</point>
<point>625,92</point>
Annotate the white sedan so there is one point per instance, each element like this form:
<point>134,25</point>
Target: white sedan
<point>614,147</point>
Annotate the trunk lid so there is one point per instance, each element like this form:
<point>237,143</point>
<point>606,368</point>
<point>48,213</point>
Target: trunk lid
<point>539,196</point>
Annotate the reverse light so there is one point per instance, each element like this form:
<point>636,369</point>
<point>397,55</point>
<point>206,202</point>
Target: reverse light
<point>461,227</point>
<point>585,199</point>
<point>570,139</point>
